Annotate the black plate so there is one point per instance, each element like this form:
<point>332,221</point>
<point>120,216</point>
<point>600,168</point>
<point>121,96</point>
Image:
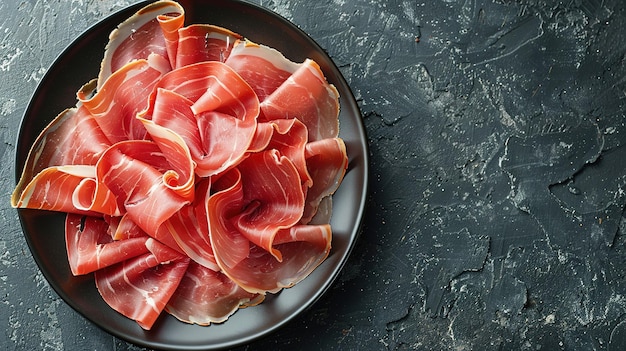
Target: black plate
<point>44,230</point>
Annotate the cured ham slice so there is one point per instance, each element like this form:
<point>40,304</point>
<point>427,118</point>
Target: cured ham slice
<point>139,288</point>
<point>205,296</point>
<point>121,97</point>
<point>256,261</point>
<point>73,138</point>
<point>71,189</point>
<point>204,42</point>
<point>189,227</point>
<point>171,23</point>
<point>139,175</point>
<point>327,161</point>
<point>140,36</point>
<point>121,228</point>
<point>307,97</point>
<point>90,247</point>
<point>264,68</point>
<point>289,138</point>
<point>249,218</point>
<point>288,90</point>
<point>206,103</point>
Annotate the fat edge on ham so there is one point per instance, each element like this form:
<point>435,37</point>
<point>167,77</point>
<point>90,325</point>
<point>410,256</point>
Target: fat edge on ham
<point>196,171</point>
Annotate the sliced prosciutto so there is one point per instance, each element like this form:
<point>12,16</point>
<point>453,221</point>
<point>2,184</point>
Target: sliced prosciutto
<point>90,248</point>
<point>288,90</point>
<point>146,185</point>
<point>116,104</point>
<point>204,42</point>
<point>139,288</point>
<point>327,161</point>
<point>189,228</point>
<point>205,296</point>
<point>73,138</point>
<point>254,233</point>
<point>206,104</point>
<point>196,172</point>
<point>71,189</point>
<point>140,36</point>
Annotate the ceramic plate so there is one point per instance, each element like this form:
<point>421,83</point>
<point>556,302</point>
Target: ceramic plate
<point>44,231</point>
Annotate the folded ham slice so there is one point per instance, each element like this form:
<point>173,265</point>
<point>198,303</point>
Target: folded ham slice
<point>140,287</point>
<point>90,247</point>
<point>206,296</point>
<point>288,90</point>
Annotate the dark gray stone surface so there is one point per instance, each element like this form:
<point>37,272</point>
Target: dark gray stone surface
<point>498,186</point>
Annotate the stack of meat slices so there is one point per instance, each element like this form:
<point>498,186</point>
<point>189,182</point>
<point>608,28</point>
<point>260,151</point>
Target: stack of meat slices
<point>196,171</point>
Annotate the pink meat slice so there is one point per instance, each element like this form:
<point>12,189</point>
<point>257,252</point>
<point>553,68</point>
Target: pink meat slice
<point>90,247</point>
<point>140,287</point>
<point>206,103</point>
<point>287,89</point>
<point>253,206</point>
<point>189,228</point>
<point>124,94</point>
<point>137,173</point>
<point>204,42</point>
<point>205,296</point>
<point>73,138</point>
<point>327,162</point>
<point>142,35</point>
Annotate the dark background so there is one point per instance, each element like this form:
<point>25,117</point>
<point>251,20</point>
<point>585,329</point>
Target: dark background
<point>495,218</point>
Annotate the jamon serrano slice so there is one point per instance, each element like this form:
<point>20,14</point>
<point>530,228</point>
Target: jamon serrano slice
<point>287,89</point>
<point>189,228</point>
<point>254,205</point>
<point>116,104</point>
<point>140,287</point>
<point>205,296</point>
<point>327,161</point>
<point>264,68</point>
<point>71,189</point>
<point>206,104</point>
<point>144,182</point>
<point>90,247</point>
<point>142,35</point>
<point>73,138</point>
<point>204,42</point>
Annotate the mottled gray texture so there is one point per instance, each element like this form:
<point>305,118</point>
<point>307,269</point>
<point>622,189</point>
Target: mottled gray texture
<point>496,215</point>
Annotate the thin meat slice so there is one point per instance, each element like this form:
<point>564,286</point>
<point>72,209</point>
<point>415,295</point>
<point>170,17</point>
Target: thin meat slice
<point>301,248</point>
<point>264,68</point>
<point>71,189</point>
<point>141,36</point>
<point>205,296</point>
<point>290,140</point>
<point>72,138</point>
<point>121,97</point>
<point>308,97</point>
<point>121,228</point>
<point>272,197</point>
<point>253,203</point>
<point>206,103</point>
<point>140,287</point>
<point>140,176</point>
<point>170,24</point>
<point>327,161</point>
<point>189,228</point>
<point>204,42</point>
<point>287,89</point>
<point>90,247</point>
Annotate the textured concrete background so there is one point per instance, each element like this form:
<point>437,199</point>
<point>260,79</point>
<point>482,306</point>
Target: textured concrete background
<point>496,215</point>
